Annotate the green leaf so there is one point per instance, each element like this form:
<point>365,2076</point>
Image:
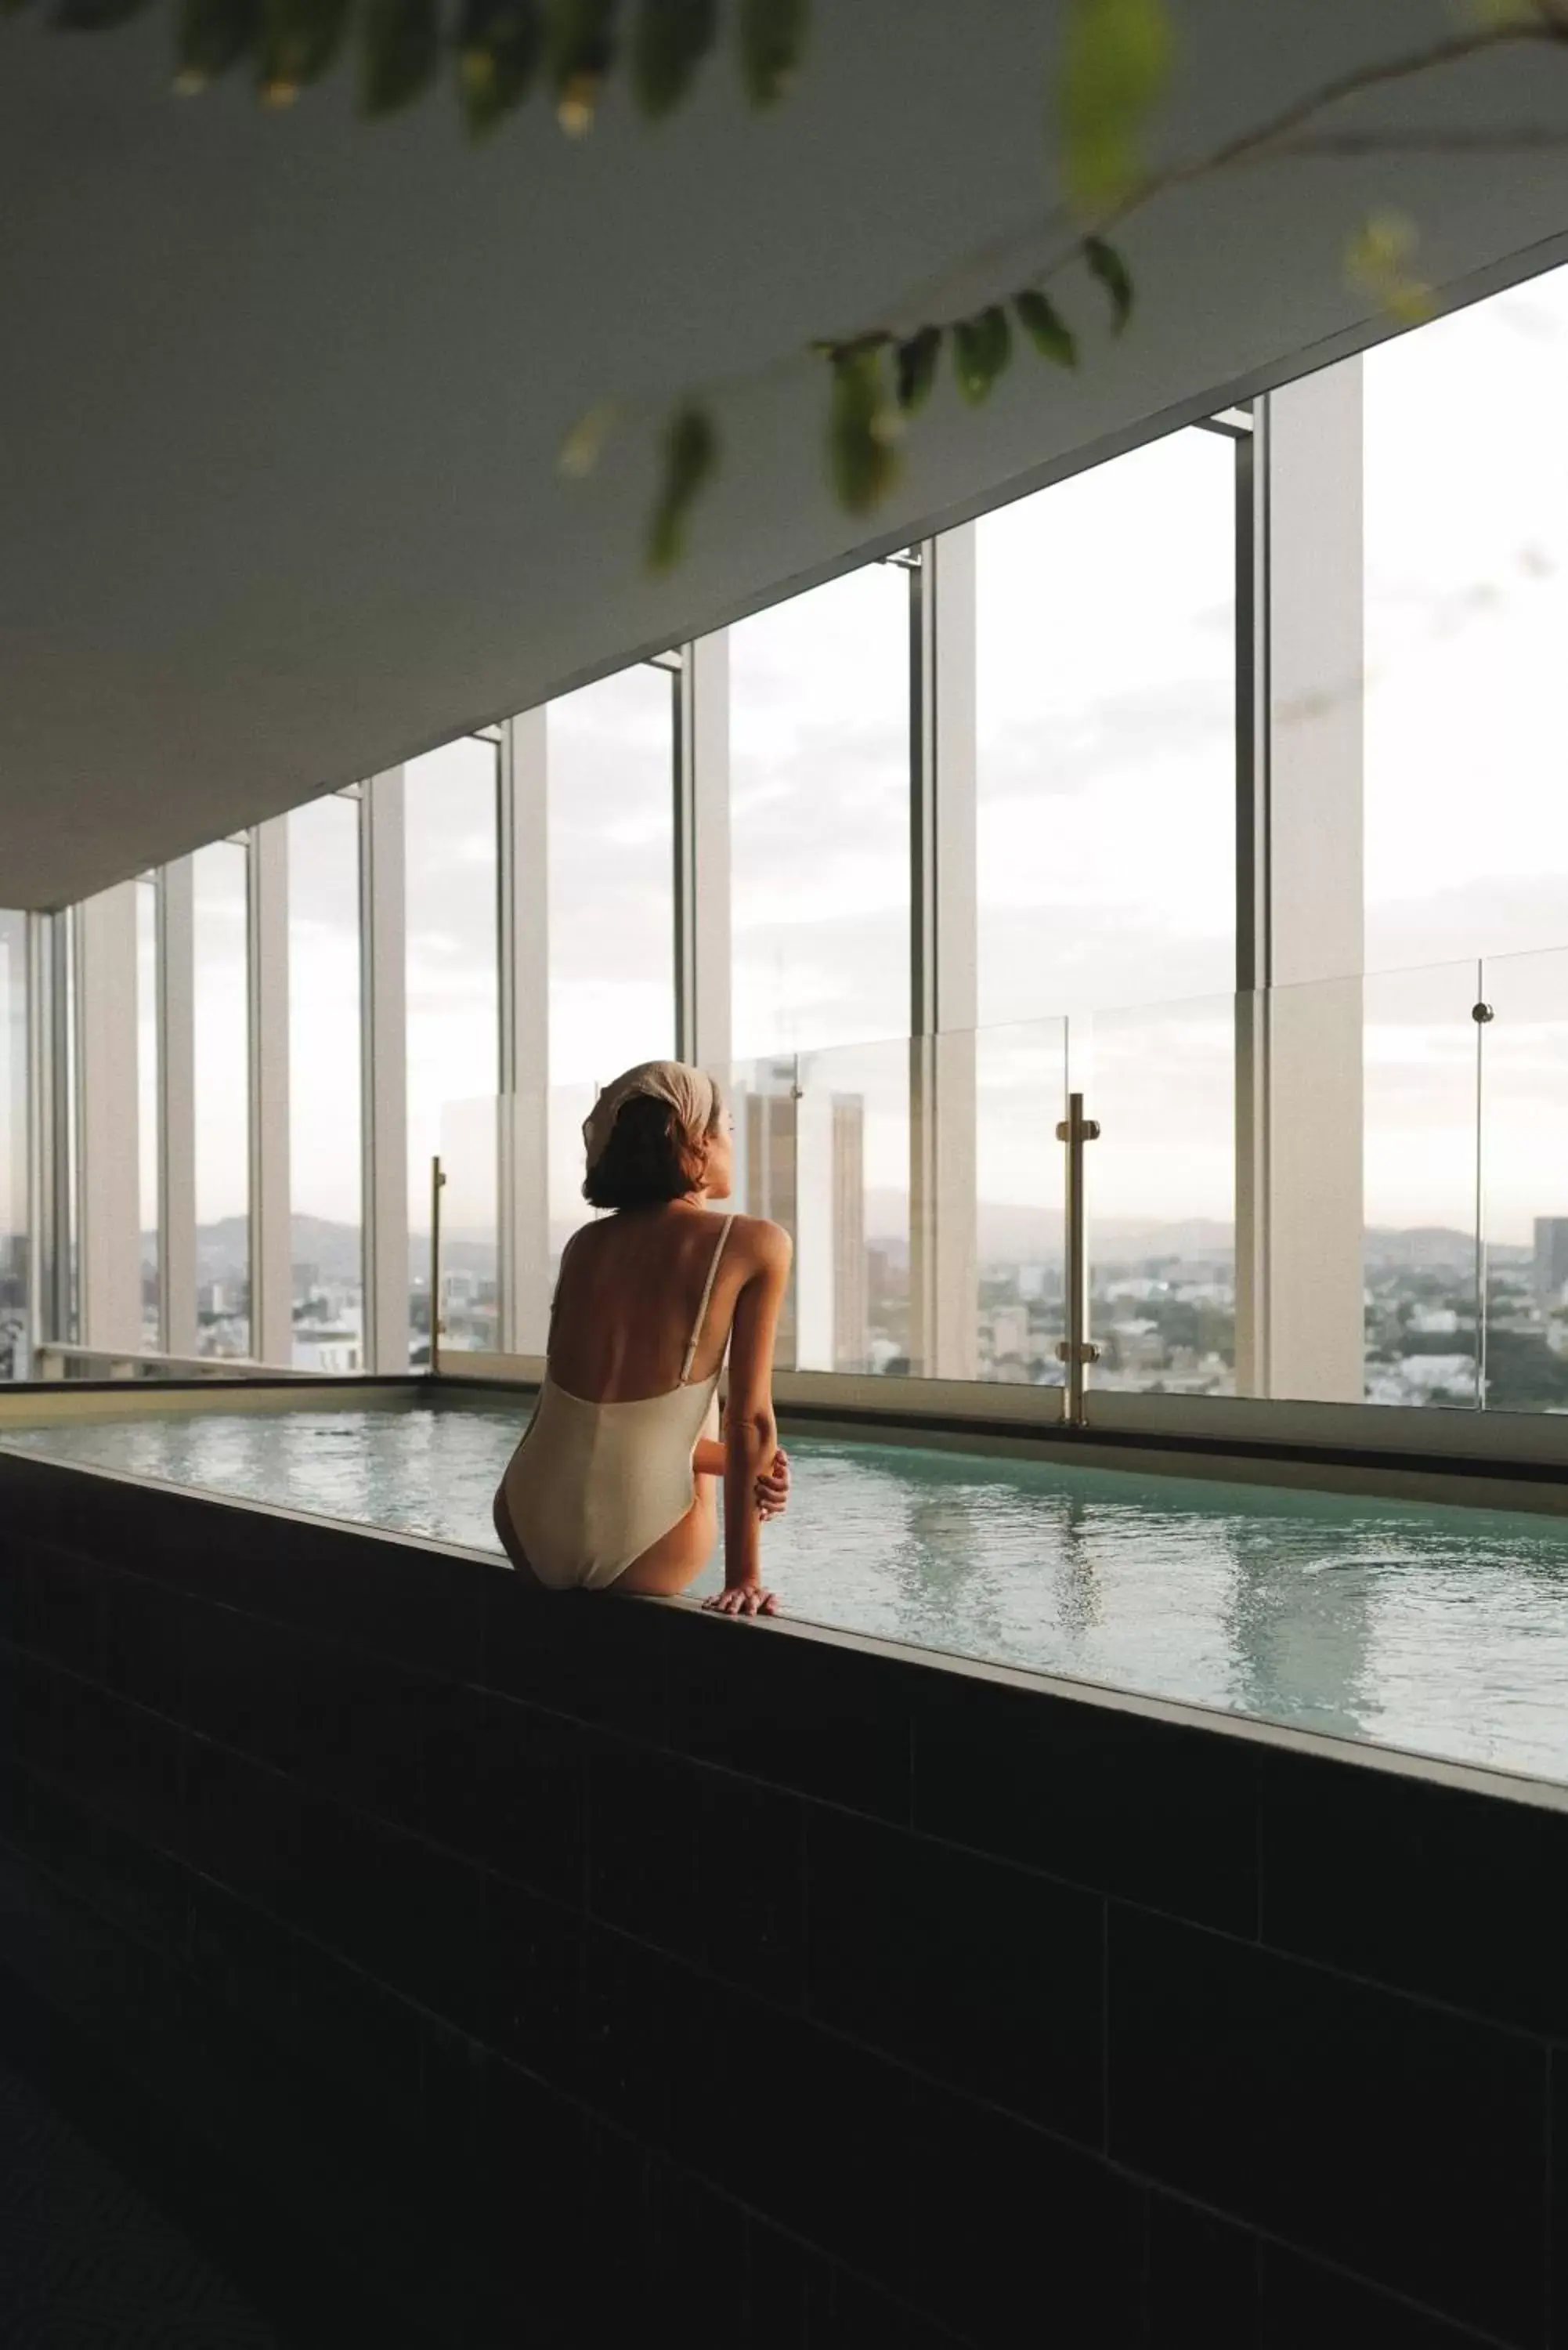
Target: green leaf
<point>1105,264</point>
<point>673,36</point>
<point>982,349</point>
<point>1045,326</point>
<point>691,460</point>
<point>583,444</point>
<point>916,369</point>
<point>772,46</point>
<point>211,36</point>
<point>401,48</point>
<point>1377,261</point>
<point>300,40</point>
<point>863,431</point>
<point>1115,67</point>
<point>579,42</point>
<point>500,43</point>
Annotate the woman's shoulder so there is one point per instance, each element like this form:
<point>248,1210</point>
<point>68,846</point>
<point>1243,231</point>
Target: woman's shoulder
<point>758,1242</point>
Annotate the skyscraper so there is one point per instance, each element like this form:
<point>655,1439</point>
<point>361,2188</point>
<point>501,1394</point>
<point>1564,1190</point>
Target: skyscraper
<point>805,1169</point>
<point>1551,1258</point>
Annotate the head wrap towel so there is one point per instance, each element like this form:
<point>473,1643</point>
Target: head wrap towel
<point>691,1093</point>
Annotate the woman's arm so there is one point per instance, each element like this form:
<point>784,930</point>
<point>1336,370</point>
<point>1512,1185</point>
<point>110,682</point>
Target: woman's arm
<point>751,1432</point>
<point>773,1485</point>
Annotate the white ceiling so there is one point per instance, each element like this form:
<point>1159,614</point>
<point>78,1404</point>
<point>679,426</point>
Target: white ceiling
<point>281,395</point>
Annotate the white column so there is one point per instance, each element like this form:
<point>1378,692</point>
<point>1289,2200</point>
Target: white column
<point>944,999</point>
<point>108,1226</point>
<point>702,876</point>
<point>815,1234</point>
<point>383,996</point>
<point>523,1125</point>
<point>1313,1050</point>
<point>177,1105</point>
<point>272,1250</point>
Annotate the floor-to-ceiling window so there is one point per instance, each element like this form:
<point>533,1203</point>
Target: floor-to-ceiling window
<point>324,1109</point>
<point>819,816</point>
<point>451,896</point>
<point>221,919</point>
<point>15,1241</point>
<point>1106,753</point>
<point>819,828</point>
<point>147,1120</point>
<point>611,897</point>
<point>1466,872</point>
<point>1466,503</point>
<point>1105,789</point>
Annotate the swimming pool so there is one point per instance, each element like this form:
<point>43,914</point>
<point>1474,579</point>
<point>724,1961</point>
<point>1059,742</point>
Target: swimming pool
<point>1441,1630</point>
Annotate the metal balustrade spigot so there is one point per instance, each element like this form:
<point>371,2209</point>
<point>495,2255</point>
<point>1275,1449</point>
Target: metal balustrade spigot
<point>1077,1350</point>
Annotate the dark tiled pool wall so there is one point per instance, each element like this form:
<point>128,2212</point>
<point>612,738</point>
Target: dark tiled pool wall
<point>564,1963</point>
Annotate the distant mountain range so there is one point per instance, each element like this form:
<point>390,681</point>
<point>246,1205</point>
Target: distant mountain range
<point>1005,1235</point>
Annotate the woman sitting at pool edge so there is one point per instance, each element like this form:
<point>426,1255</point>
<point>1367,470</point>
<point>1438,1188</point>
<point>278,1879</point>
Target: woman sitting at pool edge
<point>613,1483</point>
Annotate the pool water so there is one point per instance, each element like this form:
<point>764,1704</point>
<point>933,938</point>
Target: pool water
<point>1441,1630</point>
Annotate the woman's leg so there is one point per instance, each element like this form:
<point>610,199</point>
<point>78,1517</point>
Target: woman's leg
<point>502,1521</point>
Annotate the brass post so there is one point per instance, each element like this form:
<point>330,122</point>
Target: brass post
<point>1075,1349</point>
<point>438,1184</point>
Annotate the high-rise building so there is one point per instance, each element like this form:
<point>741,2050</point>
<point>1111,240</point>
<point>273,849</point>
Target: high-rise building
<point>850,1300</point>
<point>769,1126</point>
<point>805,1169</point>
<point>1551,1258</point>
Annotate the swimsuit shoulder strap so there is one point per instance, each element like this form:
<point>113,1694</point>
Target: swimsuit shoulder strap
<point>702,1308</point>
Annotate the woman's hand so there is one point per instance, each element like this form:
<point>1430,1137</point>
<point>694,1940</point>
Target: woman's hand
<point>742,1600</point>
<point>772,1488</point>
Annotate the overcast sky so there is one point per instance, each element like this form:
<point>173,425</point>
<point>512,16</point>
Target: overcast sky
<point>1105,833</point>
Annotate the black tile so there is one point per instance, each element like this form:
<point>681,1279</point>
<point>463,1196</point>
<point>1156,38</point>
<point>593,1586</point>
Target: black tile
<point>361,1731</point>
<point>1402,2141</point>
<point>985,1975</point>
<point>65,1609</point>
<point>629,2051</point>
<point>813,2131</point>
<point>360,2045</point>
<point>242,1682</point>
<point>644,1845</point>
<point>143,1889</point>
<point>245,1961</point>
<point>120,1760</point>
<point>780,1705</point>
<point>693,2263</point>
<point>704,1864</point>
<point>751,1886</point>
<point>336,1583</point>
<point>409,1913</point>
<point>599,1660</point>
<point>244,1827</point>
<point>1557,2167</point>
<point>40,1701</point>
<point>538,2220</point>
<point>15,1665</point>
<point>142,1634</point>
<point>1202,2282</point>
<point>1151,1810</point>
<point>1432,1888</point>
<point>1306,2307</point>
<point>786,2284</point>
<point>1005,2223</point>
<point>530,1812</point>
<point>13,1592</point>
<point>530,1989</point>
<point>614,2296</point>
<point>854,2316</point>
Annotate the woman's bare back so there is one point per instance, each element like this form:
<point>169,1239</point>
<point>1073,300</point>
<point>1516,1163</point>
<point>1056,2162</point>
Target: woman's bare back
<point>628,1296</point>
